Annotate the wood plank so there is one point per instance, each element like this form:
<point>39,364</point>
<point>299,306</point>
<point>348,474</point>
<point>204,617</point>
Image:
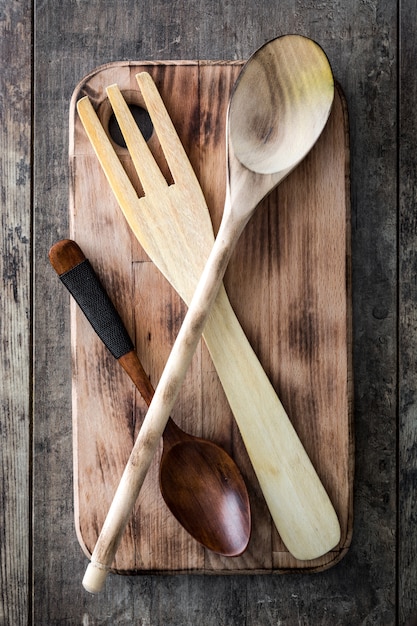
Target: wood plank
<point>407,346</point>
<point>15,320</point>
<point>257,273</point>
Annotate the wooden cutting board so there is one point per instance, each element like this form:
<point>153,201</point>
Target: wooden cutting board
<point>289,283</point>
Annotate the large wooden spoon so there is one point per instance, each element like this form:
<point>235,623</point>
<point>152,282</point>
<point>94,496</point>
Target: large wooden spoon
<point>279,107</point>
<point>200,482</point>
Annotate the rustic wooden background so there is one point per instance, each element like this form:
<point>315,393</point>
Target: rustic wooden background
<point>46,47</point>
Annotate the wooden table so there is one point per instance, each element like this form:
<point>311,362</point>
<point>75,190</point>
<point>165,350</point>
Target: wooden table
<point>46,48</point>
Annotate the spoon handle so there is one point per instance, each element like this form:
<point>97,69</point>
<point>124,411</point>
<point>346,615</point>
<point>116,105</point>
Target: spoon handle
<point>78,276</point>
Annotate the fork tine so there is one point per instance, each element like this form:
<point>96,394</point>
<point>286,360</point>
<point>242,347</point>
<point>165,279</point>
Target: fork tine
<point>146,167</point>
<point>175,154</point>
<point>112,167</point>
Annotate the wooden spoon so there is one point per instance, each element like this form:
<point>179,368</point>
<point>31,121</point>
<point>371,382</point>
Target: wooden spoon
<point>279,107</point>
<point>199,481</point>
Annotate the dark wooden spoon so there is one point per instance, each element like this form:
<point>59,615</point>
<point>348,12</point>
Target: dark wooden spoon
<point>199,481</point>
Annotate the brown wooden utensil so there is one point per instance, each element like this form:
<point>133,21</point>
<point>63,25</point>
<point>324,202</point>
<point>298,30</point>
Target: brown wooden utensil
<point>199,481</point>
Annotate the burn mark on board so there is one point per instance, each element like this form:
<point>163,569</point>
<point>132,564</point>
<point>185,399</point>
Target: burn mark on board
<point>303,333</point>
<point>173,318</point>
<point>211,109</point>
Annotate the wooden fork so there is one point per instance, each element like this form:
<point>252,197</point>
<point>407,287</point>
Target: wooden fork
<point>172,224</point>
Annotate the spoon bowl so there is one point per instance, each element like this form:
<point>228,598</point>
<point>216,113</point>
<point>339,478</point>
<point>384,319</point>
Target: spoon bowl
<point>272,128</point>
<point>203,490</point>
<point>279,106</point>
<point>199,481</point>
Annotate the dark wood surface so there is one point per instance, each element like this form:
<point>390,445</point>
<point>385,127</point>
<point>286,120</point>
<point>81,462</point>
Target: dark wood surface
<point>46,47</point>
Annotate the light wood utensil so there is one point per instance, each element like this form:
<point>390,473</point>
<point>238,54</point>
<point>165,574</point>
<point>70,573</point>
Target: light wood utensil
<point>296,498</point>
<point>200,482</point>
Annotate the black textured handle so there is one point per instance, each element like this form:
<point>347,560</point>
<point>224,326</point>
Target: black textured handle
<point>86,289</point>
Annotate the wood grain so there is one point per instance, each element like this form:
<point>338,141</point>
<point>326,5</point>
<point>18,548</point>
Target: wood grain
<point>408,323</point>
<point>316,298</point>
<point>15,322</point>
